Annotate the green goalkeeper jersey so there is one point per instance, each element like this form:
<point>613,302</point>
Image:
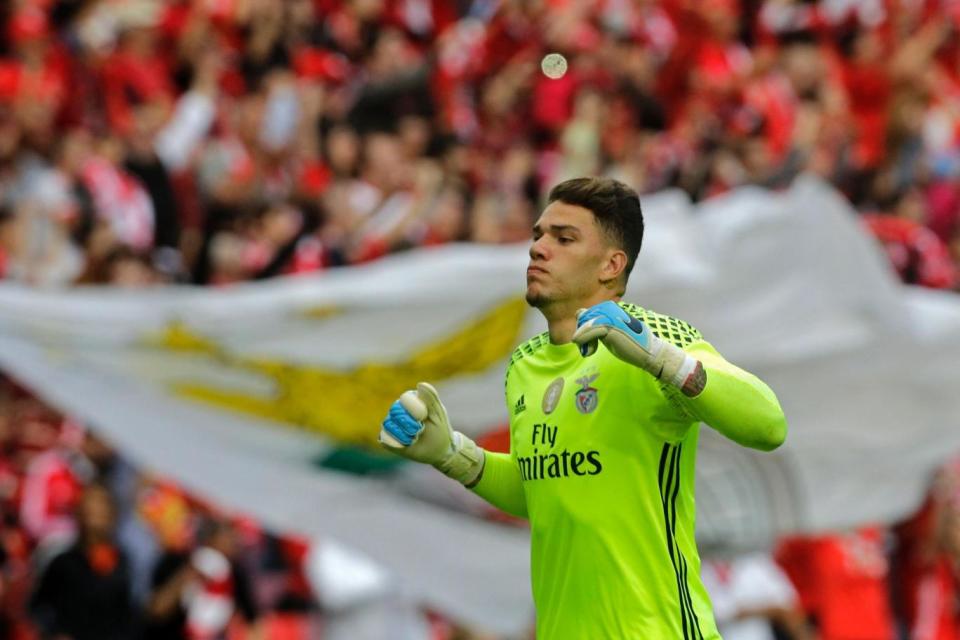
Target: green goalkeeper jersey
<point>602,463</point>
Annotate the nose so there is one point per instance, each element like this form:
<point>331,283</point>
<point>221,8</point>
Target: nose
<point>536,250</point>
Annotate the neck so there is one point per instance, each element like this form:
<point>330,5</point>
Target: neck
<point>562,316</point>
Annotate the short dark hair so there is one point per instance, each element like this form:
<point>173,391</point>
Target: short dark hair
<point>615,206</point>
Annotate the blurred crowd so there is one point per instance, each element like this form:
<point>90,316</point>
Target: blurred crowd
<point>94,548</point>
<point>878,582</point>
<point>214,141</point>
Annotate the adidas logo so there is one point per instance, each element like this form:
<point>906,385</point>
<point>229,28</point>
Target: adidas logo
<point>520,407</point>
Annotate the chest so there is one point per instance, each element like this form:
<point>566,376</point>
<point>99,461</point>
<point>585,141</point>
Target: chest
<point>573,408</point>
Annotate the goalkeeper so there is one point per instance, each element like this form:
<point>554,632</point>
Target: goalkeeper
<point>604,409</point>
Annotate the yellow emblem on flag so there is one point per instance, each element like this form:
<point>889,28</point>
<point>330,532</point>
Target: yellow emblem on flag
<point>347,405</point>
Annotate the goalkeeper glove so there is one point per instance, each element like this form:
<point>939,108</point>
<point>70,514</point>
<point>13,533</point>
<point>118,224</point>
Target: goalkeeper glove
<point>629,339</point>
<point>417,428</point>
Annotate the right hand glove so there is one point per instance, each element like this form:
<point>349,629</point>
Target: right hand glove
<point>417,427</point>
<point>630,340</point>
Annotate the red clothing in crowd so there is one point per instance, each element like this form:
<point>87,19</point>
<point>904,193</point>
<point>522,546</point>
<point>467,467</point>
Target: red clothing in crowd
<point>842,583</point>
<point>773,98</point>
<point>46,84</point>
<point>943,207</point>
<point>918,255</point>
<point>933,603</point>
<point>126,75</point>
<point>45,81</point>
<point>121,200</point>
<point>925,580</point>
<point>869,89</point>
<point>50,492</point>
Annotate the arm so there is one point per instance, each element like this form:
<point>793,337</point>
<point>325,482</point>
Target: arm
<point>192,118</point>
<point>165,598</point>
<point>500,484</point>
<point>698,381</point>
<point>734,402</point>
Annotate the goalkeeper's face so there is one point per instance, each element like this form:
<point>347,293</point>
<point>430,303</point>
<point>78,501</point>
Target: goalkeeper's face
<point>570,257</point>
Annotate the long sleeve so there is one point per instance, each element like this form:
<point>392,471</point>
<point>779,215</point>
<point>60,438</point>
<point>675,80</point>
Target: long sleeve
<point>736,403</point>
<point>192,119</point>
<point>500,484</point>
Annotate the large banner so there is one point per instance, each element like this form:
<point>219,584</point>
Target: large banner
<point>267,397</point>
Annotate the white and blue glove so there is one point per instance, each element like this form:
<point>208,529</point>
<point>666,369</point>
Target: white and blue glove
<point>417,427</point>
<point>629,339</point>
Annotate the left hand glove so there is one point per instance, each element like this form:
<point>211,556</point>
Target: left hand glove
<point>418,427</point>
<point>630,340</point>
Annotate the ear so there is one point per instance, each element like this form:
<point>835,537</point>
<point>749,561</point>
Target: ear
<point>613,267</point>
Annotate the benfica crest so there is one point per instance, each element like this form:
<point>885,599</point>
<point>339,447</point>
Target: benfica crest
<point>586,396</point>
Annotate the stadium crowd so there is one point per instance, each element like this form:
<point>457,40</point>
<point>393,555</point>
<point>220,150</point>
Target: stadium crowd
<point>217,141</point>
<point>92,548</point>
<point>211,142</point>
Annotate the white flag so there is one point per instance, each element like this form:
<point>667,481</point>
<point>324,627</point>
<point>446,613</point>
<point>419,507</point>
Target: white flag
<point>267,397</point>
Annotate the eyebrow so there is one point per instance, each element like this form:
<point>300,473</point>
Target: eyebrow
<point>557,228</point>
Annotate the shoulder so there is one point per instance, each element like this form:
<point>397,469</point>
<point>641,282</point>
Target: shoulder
<point>674,330</point>
<point>527,349</point>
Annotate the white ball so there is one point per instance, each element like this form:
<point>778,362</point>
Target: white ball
<point>553,65</point>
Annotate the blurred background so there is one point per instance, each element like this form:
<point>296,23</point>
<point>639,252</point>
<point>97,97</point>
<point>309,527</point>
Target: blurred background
<point>213,143</point>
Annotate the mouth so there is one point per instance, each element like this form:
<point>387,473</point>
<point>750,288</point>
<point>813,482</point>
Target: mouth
<point>534,271</point>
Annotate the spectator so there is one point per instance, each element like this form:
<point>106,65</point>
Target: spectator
<point>751,596</point>
<point>927,545</point>
<point>917,254</point>
<point>52,483</point>
<point>84,593</point>
<point>842,583</point>
<point>197,593</point>
<point>183,131</point>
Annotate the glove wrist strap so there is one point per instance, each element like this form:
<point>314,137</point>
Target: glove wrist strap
<point>671,364</point>
<point>465,461</point>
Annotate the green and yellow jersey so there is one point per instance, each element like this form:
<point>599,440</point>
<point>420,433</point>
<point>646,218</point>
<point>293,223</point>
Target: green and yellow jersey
<point>602,463</point>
